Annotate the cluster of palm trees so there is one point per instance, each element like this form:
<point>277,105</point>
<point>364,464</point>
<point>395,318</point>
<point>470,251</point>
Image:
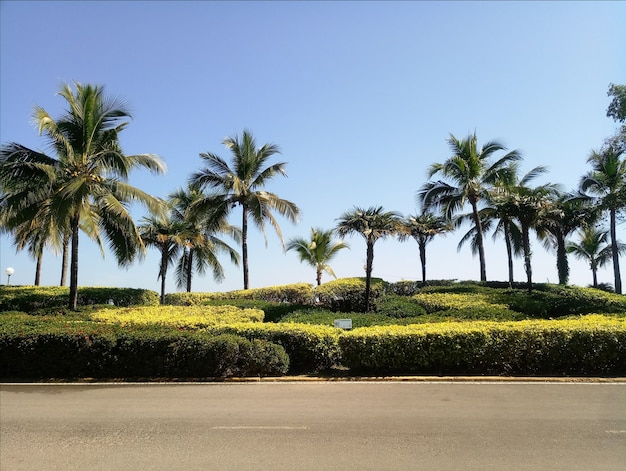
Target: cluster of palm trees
<point>46,201</point>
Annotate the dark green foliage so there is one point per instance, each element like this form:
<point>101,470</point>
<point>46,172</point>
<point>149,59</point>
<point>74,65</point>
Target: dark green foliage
<point>409,288</point>
<point>40,347</point>
<point>348,294</point>
<point>399,307</point>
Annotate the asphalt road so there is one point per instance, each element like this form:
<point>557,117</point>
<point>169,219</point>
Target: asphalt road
<point>314,426</point>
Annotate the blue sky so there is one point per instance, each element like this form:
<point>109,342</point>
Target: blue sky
<point>360,97</point>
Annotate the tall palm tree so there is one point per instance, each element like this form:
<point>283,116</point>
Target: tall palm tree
<point>606,183</point>
<point>423,228</point>
<point>373,224</point>
<point>242,185</point>
<point>317,251</point>
<point>89,181</point>
<point>203,228</point>
<point>471,174</point>
<point>166,235</point>
<point>593,248</point>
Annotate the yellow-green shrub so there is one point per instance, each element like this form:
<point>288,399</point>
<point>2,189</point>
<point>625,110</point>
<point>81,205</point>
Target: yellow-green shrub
<point>298,293</point>
<point>32,298</point>
<point>434,302</point>
<point>589,345</point>
<point>179,316</point>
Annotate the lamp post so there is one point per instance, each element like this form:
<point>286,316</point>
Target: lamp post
<point>9,271</point>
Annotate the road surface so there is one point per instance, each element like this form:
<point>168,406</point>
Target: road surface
<point>314,426</point>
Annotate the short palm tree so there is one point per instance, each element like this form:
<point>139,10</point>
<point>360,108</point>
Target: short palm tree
<point>471,174</point>
<point>562,217</point>
<point>373,224</point>
<point>88,183</point>
<point>593,248</point>
<point>242,185</point>
<point>527,205</point>
<point>606,184</point>
<point>317,251</point>
<point>423,228</point>
<point>203,230</point>
<point>168,237</point>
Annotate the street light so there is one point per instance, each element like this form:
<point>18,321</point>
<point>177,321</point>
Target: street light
<point>9,271</point>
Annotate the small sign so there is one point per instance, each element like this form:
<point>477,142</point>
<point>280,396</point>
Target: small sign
<point>343,323</point>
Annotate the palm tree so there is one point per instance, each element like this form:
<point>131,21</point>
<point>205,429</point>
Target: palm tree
<point>594,249</point>
<point>317,251</point>
<point>373,224</point>
<point>471,174</point>
<point>527,204</point>
<point>242,185</point>
<point>202,244</point>
<point>88,184</point>
<point>166,235</point>
<point>562,217</point>
<point>607,184</point>
<point>423,228</point>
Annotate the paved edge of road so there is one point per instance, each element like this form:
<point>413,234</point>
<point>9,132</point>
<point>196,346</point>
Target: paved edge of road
<point>321,379</point>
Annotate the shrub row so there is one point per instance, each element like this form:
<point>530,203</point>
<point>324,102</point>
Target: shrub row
<point>595,345</point>
<point>299,293</point>
<point>40,348</point>
<point>32,298</point>
<point>189,317</point>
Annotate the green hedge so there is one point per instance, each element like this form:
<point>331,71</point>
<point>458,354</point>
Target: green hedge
<point>595,345</point>
<point>311,348</point>
<point>40,348</point>
<point>33,298</point>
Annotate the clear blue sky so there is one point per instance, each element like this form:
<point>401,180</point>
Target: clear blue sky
<point>360,97</point>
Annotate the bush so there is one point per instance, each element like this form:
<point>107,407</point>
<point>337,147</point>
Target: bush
<point>75,349</point>
<point>348,294</point>
<point>188,317</point>
<point>318,316</point>
<point>299,293</point>
<point>33,298</point>
<point>311,348</point>
<point>399,307</point>
<point>587,346</point>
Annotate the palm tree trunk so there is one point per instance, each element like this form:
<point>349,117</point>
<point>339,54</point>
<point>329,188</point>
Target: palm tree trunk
<point>527,256</point>
<point>189,269</point>
<point>244,246</point>
<point>479,242</point>
<point>64,257</point>
<point>163,271</point>
<point>561,259</point>
<point>594,272</point>
<point>369,263</point>
<point>509,252</point>
<point>319,276</point>
<point>38,268</point>
<point>73,304</point>
<point>422,248</point>
<point>616,273</point>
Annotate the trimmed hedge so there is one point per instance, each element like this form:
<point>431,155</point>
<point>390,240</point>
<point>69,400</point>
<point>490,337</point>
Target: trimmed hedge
<point>32,298</point>
<point>595,345</point>
<point>37,347</point>
<point>299,293</point>
<point>184,317</point>
<point>311,348</point>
